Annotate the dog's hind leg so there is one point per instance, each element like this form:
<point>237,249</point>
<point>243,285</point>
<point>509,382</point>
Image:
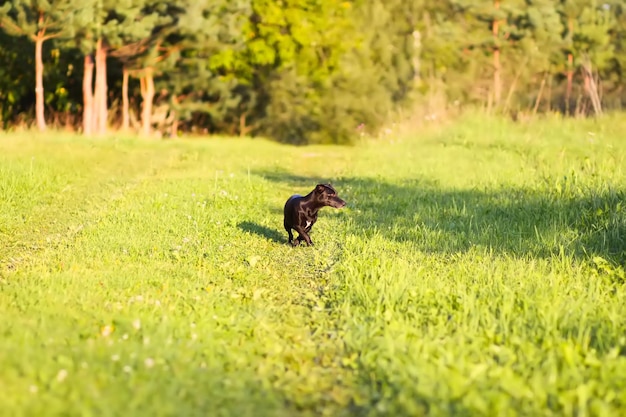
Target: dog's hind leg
<point>288,229</point>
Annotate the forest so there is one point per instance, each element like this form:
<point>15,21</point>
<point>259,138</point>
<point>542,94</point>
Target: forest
<point>302,71</point>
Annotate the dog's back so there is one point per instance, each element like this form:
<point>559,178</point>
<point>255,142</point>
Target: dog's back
<point>290,210</point>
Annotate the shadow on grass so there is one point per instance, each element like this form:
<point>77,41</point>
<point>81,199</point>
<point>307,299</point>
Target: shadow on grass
<point>571,220</point>
<point>513,221</point>
<point>263,231</point>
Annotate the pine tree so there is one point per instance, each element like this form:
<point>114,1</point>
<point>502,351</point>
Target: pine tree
<point>204,42</point>
<point>140,26</point>
<point>39,20</point>
<point>588,42</point>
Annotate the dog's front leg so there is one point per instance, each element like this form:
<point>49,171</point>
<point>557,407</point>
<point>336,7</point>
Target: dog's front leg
<point>303,235</point>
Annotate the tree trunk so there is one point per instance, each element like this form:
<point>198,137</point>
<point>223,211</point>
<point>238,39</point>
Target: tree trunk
<point>125,103</point>
<point>88,96</point>
<point>147,95</point>
<point>417,47</point>
<point>538,100</point>
<point>174,127</point>
<point>100,96</point>
<point>570,77</point>
<point>39,93</point>
<point>497,78</point>
<point>570,67</point>
<point>592,87</point>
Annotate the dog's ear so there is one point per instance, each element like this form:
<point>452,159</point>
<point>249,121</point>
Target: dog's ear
<point>320,188</point>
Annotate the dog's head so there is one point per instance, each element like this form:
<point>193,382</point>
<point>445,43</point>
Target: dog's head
<point>326,195</point>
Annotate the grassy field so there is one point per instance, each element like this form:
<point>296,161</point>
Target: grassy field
<point>478,270</point>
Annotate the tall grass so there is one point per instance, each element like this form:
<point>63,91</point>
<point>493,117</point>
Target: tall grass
<point>478,270</point>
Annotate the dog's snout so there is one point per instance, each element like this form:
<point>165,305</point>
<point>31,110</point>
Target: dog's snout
<point>338,203</point>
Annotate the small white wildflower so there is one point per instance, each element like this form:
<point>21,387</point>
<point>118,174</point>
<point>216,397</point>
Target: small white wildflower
<point>149,362</point>
<point>61,375</point>
<point>146,341</point>
<point>136,324</point>
<point>115,358</point>
<point>127,369</point>
<point>33,389</point>
<point>194,336</point>
<point>125,336</point>
<point>107,330</point>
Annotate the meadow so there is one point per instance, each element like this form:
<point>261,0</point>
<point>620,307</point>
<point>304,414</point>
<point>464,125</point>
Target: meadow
<point>478,270</point>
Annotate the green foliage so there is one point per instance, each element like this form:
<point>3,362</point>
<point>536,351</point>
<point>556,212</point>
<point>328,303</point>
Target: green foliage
<point>292,57</point>
<point>592,34</point>
<point>312,71</point>
<point>207,36</point>
<point>477,269</point>
<point>27,18</point>
<point>16,76</point>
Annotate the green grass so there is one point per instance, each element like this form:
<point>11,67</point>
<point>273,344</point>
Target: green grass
<point>478,270</point>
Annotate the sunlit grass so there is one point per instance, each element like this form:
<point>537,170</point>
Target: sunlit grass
<point>478,270</point>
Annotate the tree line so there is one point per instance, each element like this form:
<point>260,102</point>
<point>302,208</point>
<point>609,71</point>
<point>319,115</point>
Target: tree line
<point>302,71</point>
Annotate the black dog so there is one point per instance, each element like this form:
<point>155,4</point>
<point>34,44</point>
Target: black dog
<point>301,212</point>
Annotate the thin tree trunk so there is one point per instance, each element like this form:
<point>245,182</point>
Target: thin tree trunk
<point>125,104</point>
<point>88,96</point>
<point>417,46</point>
<point>538,100</point>
<point>39,92</point>
<point>549,103</point>
<point>570,77</point>
<point>242,125</point>
<point>497,78</point>
<point>509,96</point>
<point>570,68</point>
<point>174,127</point>
<point>147,95</point>
<point>100,96</point>
<point>96,95</point>
<point>592,87</point>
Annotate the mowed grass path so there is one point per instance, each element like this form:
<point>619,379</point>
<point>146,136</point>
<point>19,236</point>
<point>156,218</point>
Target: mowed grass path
<point>478,270</point>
